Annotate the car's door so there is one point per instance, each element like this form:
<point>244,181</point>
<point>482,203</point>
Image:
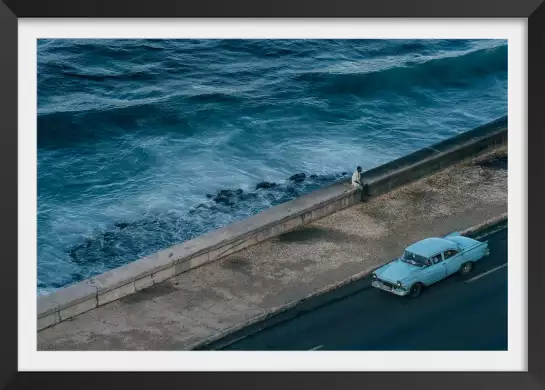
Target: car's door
<point>435,271</point>
<point>453,259</point>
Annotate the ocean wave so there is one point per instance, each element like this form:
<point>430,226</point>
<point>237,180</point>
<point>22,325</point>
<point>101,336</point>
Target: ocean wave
<point>106,75</point>
<point>62,129</point>
<point>447,71</point>
<point>215,97</point>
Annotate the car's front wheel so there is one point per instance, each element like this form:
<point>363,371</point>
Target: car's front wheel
<point>415,290</point>
<point>466,268</point>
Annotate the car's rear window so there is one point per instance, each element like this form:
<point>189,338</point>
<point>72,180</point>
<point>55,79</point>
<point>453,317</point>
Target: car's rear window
<point>414,259</point>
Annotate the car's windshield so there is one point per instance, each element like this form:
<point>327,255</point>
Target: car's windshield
<point>413,259</point>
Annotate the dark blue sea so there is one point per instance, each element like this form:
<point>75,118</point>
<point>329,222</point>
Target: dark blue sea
<point>143,144</point>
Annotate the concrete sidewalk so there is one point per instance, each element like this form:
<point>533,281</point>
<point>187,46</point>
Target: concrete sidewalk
<point>197,305</point>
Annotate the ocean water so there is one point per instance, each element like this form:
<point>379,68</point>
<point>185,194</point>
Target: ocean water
<point>143,144</point>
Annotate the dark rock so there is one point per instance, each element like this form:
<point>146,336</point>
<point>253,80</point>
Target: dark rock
<point>121,225</point>
<point>344,173</point>
<point>298,177</point>
<point>209,196</point>
<point>229,193</point>
<point>291,190</point>
<point>229,197</point>
<point>326,178</point>
<point>265,185</point>
<point>225,200</point>
<point>222,193</point>
<point>313,176</point>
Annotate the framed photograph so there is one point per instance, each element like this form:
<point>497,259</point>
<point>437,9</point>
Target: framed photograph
<point>293,193</point>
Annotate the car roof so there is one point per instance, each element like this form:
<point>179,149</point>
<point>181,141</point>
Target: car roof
<point>431,246</point>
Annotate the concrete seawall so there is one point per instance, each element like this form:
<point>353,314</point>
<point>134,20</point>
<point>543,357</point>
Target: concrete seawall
<point>138,275</point>
<point>435,158</point>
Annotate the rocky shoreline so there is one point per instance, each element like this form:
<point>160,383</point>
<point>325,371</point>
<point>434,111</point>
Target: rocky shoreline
<point>126,241</point>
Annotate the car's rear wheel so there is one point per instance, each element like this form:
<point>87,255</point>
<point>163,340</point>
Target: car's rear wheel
<point>415,290</point>
<point>466,268</point>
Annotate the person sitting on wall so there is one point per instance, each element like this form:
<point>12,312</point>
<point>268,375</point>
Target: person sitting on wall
<point>356,179</point>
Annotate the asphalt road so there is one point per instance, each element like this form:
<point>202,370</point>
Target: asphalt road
<point>458,313</point>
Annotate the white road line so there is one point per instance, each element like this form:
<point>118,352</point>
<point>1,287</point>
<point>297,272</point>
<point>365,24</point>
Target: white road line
<point>490,233</point>
<point>486,273</point>
<point>316,348</point>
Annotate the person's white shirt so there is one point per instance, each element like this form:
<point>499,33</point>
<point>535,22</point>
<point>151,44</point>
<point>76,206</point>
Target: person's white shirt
<point>356,179</point>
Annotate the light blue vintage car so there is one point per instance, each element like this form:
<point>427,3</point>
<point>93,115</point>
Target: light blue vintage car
<point>428,261</point>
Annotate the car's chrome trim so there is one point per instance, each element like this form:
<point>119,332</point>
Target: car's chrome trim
<point>394,290</point>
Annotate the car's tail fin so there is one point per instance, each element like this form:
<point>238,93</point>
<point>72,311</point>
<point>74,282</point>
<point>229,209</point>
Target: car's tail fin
<point>452,234</point>
<point>486,248</point>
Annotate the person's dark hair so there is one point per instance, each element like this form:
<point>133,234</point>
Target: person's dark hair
<point>358,169</point>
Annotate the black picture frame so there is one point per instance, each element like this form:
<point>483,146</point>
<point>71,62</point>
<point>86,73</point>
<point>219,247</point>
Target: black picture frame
<point>11,10</point>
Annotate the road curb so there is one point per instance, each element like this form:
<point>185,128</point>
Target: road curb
<point>499,221</point>
<point>478,229</point>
